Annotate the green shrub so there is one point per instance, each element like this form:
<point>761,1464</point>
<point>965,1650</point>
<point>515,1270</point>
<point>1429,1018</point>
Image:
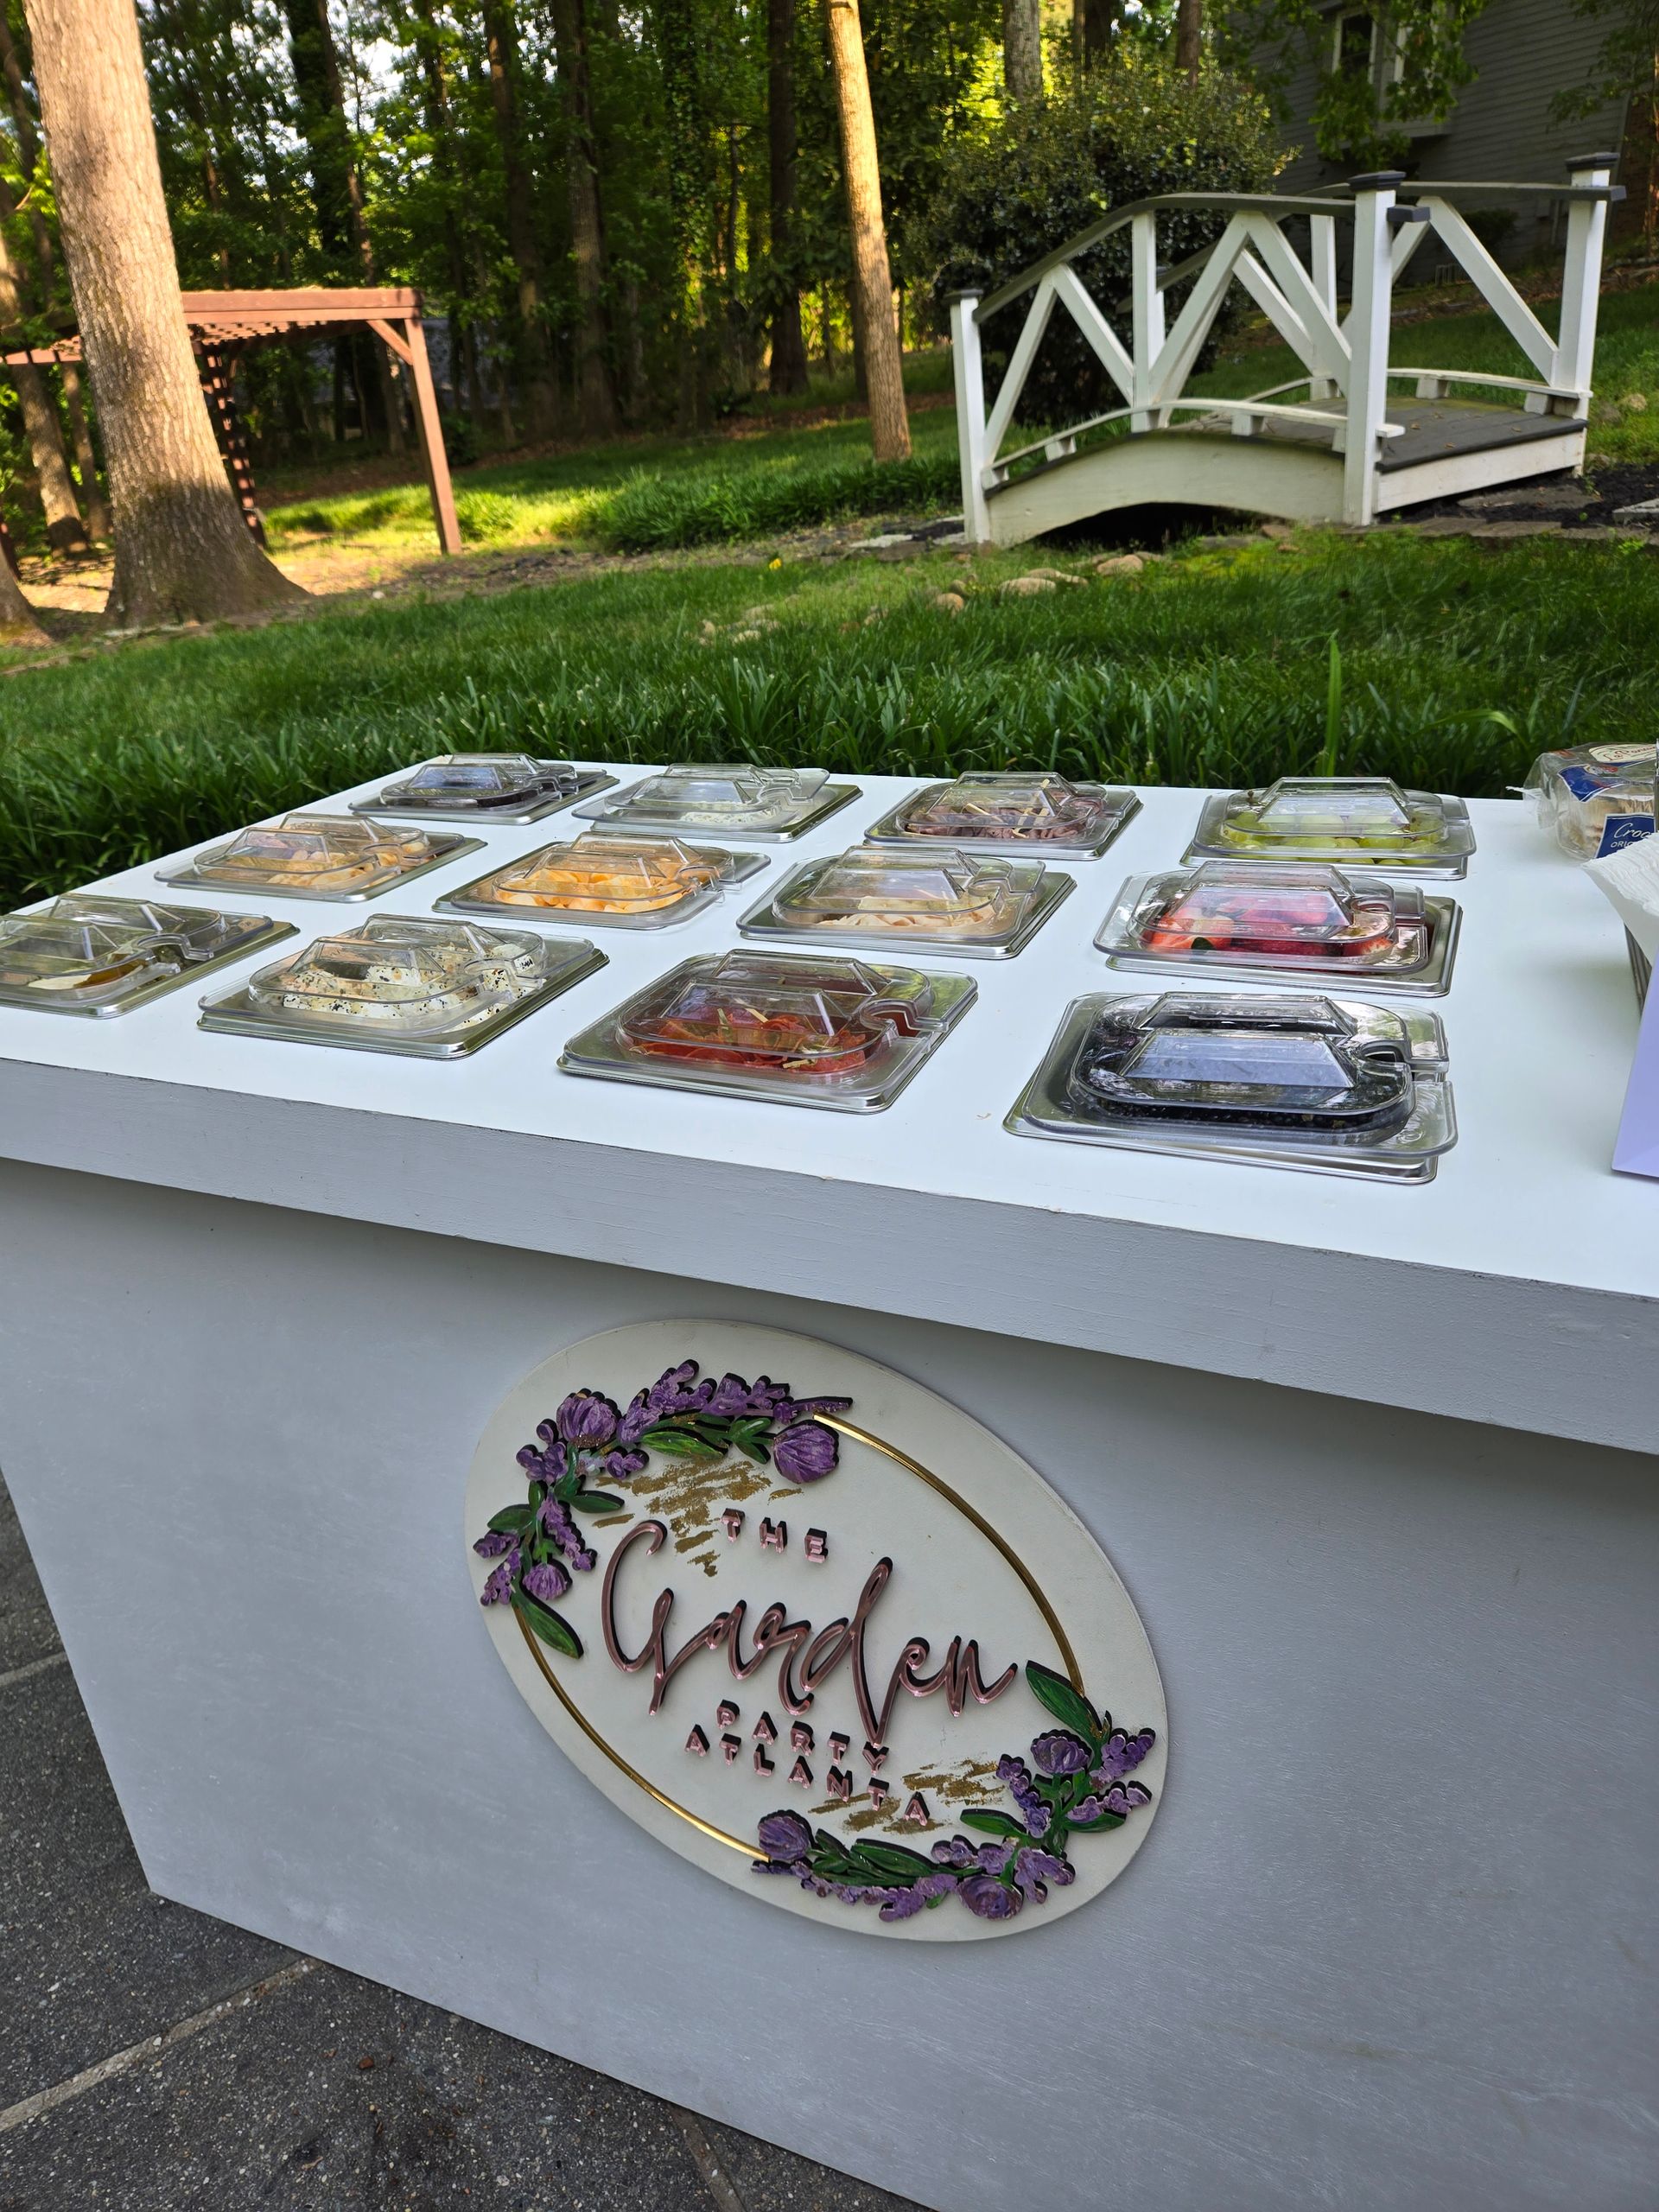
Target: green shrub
<point>1027,184</point>
<point>484,515</point>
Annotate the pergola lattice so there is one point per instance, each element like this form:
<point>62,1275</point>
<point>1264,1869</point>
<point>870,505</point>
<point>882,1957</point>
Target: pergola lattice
<point>225,324</point>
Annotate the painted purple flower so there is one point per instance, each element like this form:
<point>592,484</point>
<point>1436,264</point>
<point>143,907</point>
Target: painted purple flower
<point>787,1410</point>
<point>991,1858</point>
<point>548,1582</point>
<point>637,1420</point>
<point>1034,1870</point>
<point>586,1419</point>
<point>902,1904</point>
<point>1060,1752</point>
<point>1126,1797</point>
<point>730,1397</point>
<point>1120,1755</point>
<point>1016,1776</point>
<point>618,1466</point>
<point>785,1837</point>
<point>497,1587</point>
<point>928,1886</point>
<point>806,1452</point>
<point>494,1543</point>
<point>540,1466</point>
<point>954,1851</point>
<point>557,1523</point>
<point>677,1391</point>
<point>984,1895</point>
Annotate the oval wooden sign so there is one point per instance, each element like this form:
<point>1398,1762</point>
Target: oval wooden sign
<point>817,1629</point>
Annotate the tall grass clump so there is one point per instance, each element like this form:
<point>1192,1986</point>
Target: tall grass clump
<point>1447,667</point>
<point>654,512</point>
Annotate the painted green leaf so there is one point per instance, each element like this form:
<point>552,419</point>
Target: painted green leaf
<point>992,1823</point>
<point>598,1501</point>
<point>1098,1826</point>
<point>1068,1706</point>
<point>680,1444</point>
<point>895,1860</point>
<point>551,1627</point>
<point>510,1521</point>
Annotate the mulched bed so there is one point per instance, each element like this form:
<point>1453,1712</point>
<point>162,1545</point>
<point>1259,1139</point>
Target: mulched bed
<point>1607,486</point>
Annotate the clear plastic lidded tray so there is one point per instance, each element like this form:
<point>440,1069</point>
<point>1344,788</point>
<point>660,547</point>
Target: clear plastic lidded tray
<point>409,983</point>
<point>477,783</point>
<point>1594,797</point>
<point>1011,812</point>
<point>90,954</point>
<point>962,901</point>
<point>619,881</point>
<point>1302,1081</point>
<point>733,797</point>
<point>821,1032</point>
<point>1354,821</point>
<point>1274,917</point>
<point>319,856</point>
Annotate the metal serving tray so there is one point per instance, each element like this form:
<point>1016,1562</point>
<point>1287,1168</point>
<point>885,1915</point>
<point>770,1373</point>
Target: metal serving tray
<point>590,783</point>
<point>888,831</point>
<point>1431,979</point>
<point>831,800</point>
<point>451,847</point>
<point>596,1046</point>
<point>761,921</point>
<point>1409,1154</point>
<point>743,865</point>
<point>273,933</point>
<point>1207,846</point>
<point>233,1015</point>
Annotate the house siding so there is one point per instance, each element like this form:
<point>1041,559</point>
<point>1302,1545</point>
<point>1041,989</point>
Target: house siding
<point>1524,52</point>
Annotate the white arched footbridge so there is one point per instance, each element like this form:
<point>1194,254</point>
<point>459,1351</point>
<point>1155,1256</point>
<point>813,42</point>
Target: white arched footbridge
<point>1342,443</point>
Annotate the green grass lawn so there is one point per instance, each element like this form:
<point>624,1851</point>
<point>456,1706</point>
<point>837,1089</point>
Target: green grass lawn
<point>750,481</point>
<point>1458,663</point>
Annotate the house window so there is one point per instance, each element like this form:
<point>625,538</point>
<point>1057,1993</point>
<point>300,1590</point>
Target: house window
<point>1364,44</point>
<point>1354,47</point>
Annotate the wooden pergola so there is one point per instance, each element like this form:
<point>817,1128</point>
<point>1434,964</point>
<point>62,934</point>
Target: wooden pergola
<point>225,324</point>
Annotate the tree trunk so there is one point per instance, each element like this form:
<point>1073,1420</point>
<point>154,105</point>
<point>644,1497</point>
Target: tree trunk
<point>889,424</point>
<point>182,551</point>
<point>788,372</point>
<point>535,349</point>
<point>335,184</point>
<point>1094,24</point>
<point>595,384</point>
<point>97,507</point>
<point>17,623</point>
<point>1022,50</point>
<point>1189,38</point>
<point>64,530</point>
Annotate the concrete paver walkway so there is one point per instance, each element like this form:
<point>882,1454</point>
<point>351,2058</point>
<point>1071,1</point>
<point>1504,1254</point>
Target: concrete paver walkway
<point>154,2060</point>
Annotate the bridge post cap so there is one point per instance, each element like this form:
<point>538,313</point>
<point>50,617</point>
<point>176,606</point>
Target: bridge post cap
<point>968,292</point>
<point>1593,162</point>
<point>1377,180</point>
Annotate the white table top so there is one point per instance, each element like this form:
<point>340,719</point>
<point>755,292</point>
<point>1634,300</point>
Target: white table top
<point>1522,1287</point>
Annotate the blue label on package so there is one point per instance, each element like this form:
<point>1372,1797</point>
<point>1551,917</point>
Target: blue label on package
<point>1624,829</point>
<point>1585,782</point>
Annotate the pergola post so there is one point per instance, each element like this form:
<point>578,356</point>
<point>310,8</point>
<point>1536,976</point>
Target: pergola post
<point>410,348</point>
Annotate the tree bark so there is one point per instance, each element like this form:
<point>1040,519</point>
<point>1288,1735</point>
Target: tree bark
<point>889,424</point>
<point>1189,38</point>
<point>99,528</point>
<point>595,384</point>
<point>788,372</point>
<point>535,349</point>
<point>1022,50</point>
<point>64,528</point>
<point>17,623</point>
<point>1094,22</point>
<point>335,184</point>
<point>182,551</point>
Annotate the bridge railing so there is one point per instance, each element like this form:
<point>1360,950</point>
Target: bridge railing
<point>1344,355</point>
